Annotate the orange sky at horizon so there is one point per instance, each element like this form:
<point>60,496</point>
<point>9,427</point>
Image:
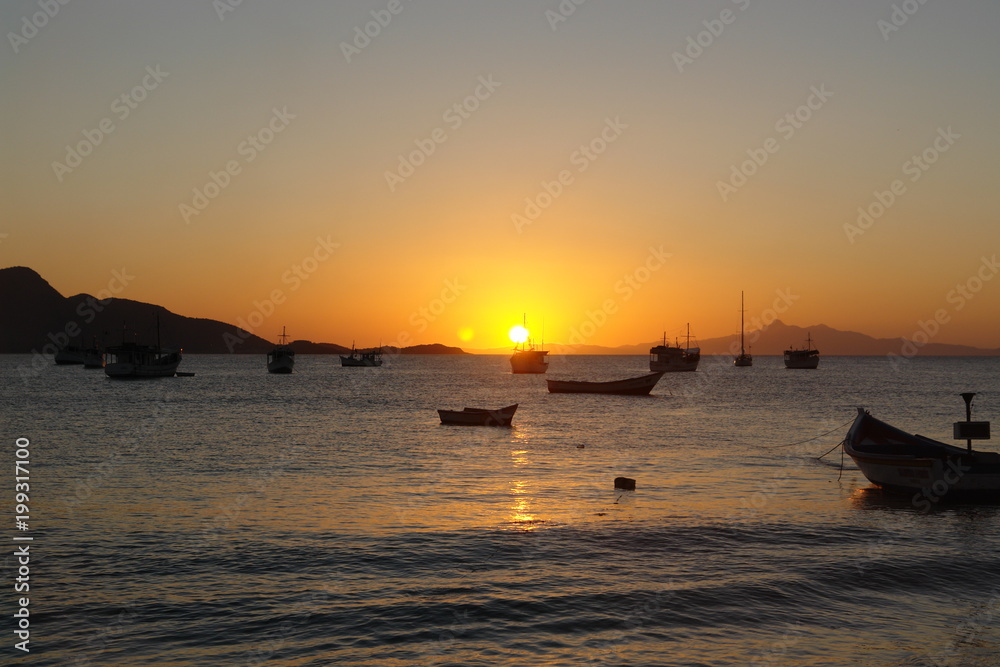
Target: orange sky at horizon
<point>437,185</point>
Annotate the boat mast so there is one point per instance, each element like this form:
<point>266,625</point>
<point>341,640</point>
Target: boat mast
<point>742,351</point>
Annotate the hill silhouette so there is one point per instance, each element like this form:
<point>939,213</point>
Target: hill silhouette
<point>778,337</point>
<point>35,317</point>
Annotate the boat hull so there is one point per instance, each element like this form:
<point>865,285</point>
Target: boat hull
<point>743,361</point>
<point>801,361</point>
<point>637,386</point>
<point>665,359</point>
<point>93,359</point>
<point>529,361</point>
<point>281,360</point>
<point>355,362</point>
<point>282,366</point>
<point>69,357</point>
<point>127,370</point>
<point>893,459</point>
<point>478,416</point>
<point>673,366</point>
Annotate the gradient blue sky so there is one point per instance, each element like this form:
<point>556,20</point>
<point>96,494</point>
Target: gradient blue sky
<point>450,223</point>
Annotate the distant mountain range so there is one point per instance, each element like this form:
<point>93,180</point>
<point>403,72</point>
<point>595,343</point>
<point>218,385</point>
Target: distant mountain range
<point>35,317</point>
<point>778,337</point>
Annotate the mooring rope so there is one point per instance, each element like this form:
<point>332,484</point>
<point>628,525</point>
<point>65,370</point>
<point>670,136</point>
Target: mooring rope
<point>821,435</point>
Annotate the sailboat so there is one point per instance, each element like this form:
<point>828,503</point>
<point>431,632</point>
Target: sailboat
<point>281,358</point>
<point>674,358</point>
<point>527,357</point>
<point>742,359</point>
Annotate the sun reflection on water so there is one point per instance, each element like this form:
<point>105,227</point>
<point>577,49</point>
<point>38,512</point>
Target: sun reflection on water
<point>521,516</point>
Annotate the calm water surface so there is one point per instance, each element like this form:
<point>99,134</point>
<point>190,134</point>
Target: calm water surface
<point>328,518</point>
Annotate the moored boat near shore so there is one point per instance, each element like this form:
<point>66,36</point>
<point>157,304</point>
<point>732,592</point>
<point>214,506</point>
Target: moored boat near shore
<point>894,459</point>
<point>478,416</point>
<point>637,386</point>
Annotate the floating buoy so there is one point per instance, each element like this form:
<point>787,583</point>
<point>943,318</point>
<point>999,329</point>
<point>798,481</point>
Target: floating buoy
<point>626,483</point>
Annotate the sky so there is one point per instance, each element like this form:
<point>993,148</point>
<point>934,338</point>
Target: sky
<point>418,171</point>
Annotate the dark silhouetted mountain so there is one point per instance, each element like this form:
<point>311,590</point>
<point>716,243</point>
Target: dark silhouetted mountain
<point>35,317</point>
<point>309,347</point>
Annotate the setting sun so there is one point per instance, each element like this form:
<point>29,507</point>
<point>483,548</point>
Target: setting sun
<point>518,334</point>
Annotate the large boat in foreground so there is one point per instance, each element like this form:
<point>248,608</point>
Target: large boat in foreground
<point>894,459</point>
<point>478,416</point>
<point>808,357</point>
<point>674,358</point>
<point>281,358</point>
<point>369,358</point>
<point>637,386</point>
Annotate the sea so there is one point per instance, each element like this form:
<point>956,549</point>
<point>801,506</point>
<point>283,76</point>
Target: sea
<point>327,517</point>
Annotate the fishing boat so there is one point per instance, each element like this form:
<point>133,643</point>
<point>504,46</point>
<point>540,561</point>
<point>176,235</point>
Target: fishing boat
<point>478,416</point>
<point>637,386</point>
<point>370,358</point>
<point>674,358</point>
<point>93,357</point>
<point>529,358</point>
<point>132,360</point>
<point>281,358</point>
<point>69,355</point>
<point>807,357</point>
<point>894,459</point>
<point>743,359</point>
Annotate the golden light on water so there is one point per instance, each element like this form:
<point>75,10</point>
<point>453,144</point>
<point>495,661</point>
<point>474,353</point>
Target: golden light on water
<point>518,334</point>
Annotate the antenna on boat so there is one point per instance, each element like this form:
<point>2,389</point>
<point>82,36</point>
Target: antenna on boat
<point>967,397</point>
<point>970,430</point>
